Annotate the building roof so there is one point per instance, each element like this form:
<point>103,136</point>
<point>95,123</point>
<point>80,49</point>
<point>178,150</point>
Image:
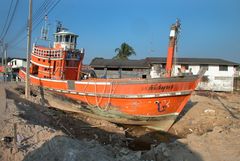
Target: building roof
<point>113,63</point>
<point>192,61</point>
<point>146,63</point>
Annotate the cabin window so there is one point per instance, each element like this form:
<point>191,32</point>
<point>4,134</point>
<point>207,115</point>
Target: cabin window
<point>54,65</point>
<point>60,38</point>
<point>49,61</point>
<point>71,63</point>
<point>75,55</point>
<point>56,38</point>
<point>38,59</point>
<point>43,60</point>
<point>69,55</point>
<point>72,39</point>
<point>223,68</point>
<point>67,38</point>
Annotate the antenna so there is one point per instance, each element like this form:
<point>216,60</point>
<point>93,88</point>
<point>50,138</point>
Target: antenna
<point>44,31</point>
<point>59,26</point>
<point>178,29</point>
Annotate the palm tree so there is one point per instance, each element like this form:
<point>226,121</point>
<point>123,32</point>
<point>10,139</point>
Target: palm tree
<point>124,52</point>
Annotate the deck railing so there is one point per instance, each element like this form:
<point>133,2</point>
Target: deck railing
<point>48,53</point>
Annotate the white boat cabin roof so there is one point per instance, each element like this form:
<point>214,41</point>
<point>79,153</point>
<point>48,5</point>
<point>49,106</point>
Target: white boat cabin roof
<point>65,32</point>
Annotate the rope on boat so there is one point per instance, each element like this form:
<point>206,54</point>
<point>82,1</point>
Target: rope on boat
<point>86,100</point>
<point>98,101</point>
<point>109,97</point>
<point>96,97</point>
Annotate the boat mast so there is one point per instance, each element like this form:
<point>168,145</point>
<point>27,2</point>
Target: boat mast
<point>175,29</point>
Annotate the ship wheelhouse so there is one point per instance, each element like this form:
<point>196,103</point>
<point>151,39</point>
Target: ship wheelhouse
<point>61,62</point>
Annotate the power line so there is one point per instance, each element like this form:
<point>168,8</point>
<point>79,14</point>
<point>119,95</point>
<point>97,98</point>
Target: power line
<point>41,10</point>
<point>37,20</point>
<point>10,8</point>
<point>10,22</point>
<point>23,29</point>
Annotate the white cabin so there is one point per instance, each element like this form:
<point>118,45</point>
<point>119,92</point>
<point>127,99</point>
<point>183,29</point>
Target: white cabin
<point>65,40</point>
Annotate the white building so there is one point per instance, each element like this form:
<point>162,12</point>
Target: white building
<point>218,77</point>
<point>17,63</point>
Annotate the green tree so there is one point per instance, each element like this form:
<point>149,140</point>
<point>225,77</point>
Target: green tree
<point>124,52</point>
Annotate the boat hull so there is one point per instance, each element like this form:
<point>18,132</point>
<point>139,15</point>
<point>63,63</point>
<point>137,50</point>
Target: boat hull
<point>153,103</point>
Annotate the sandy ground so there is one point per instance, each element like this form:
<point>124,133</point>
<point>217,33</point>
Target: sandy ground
<point>207,130</point>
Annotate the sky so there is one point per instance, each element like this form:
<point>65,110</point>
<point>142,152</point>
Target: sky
<point>210,29</point>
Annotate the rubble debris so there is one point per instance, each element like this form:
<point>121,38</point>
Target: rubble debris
<point>7,139</point>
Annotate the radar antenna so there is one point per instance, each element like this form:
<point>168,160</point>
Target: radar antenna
<point>59,26</point>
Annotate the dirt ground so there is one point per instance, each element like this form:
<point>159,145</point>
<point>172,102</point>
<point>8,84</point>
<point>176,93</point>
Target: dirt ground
<point>207,130</point>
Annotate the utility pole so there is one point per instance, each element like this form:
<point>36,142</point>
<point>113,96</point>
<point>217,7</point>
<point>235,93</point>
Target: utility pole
<point>1,45</point>
<point>5,62</point>
<point>5,56</point>
<point>29,36</point>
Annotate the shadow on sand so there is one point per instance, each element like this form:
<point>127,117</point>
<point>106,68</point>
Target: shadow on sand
<point>185,110</point>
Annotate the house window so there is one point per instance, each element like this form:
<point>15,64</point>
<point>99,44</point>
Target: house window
<point>98,68</point>
<point>223,68</point>
<point>184,67</point>
<point>204,66</point>
<point>112,69</point>
<point>127,69</point>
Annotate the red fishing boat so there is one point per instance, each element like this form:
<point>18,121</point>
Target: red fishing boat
<point>150,102</point>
